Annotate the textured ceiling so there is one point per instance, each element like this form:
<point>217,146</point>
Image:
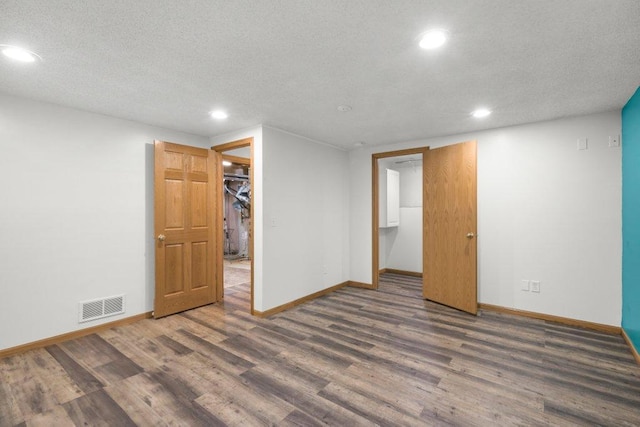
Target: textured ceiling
<point>290,63</point>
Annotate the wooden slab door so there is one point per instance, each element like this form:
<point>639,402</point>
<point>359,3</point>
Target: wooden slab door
<point>185,191</point>
<point>449,217</point>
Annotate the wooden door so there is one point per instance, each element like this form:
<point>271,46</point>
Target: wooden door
<point>184,227</point>
<point>450,264</point>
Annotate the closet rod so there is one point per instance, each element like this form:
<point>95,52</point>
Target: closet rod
<point>235,177</point>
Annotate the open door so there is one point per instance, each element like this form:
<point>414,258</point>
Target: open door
<point>185,191</point>
<point>450,264</point>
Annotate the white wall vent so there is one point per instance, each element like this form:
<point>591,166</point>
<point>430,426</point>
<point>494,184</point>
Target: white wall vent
<point>99,308</point>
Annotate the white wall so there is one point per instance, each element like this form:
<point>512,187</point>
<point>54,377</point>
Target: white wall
<point>77,215</point>
<point>306,229</point>
<point>76,221</point>
<point>546,212</point>
<point>300,212</point>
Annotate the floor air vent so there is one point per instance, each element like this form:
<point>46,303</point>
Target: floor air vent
<point>99,308</point>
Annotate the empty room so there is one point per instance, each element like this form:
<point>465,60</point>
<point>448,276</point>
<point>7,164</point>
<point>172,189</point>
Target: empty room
<point>320,212</point>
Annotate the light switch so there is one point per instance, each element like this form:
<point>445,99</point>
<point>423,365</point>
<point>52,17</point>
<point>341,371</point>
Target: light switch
<point>582,143</point>
<point>614,141</point>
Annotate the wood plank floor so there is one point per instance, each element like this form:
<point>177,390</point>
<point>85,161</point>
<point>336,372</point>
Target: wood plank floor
<point>354,357</point>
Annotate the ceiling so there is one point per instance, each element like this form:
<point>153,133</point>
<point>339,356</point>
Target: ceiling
<point>290,63</point>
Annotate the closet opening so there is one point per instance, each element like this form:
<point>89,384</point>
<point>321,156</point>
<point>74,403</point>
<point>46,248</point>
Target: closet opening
<point>398,179</point>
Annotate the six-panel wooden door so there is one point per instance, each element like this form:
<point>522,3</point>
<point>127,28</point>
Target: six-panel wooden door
<point>184,227</point>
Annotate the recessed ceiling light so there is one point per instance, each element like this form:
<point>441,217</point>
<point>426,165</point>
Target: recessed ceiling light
<point>433,39</point>
<point>19,54</point>
<point>344,108</point>
<point>480,113</point>
<point>219,115</point>
<point>226,163</point>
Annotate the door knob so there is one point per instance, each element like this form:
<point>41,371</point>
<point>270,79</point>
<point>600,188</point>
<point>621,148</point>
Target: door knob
<point>162,237</point>
<point>470,235</point>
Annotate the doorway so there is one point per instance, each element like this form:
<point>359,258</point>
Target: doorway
<point>235,234</point>
<point>236,188</point>
<point>397,213</point>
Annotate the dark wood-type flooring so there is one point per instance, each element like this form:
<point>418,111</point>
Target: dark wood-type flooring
<point>354,357</point>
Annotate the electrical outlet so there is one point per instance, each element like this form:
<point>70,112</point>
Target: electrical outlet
<point>535,286</point>
<point>524,285</point>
